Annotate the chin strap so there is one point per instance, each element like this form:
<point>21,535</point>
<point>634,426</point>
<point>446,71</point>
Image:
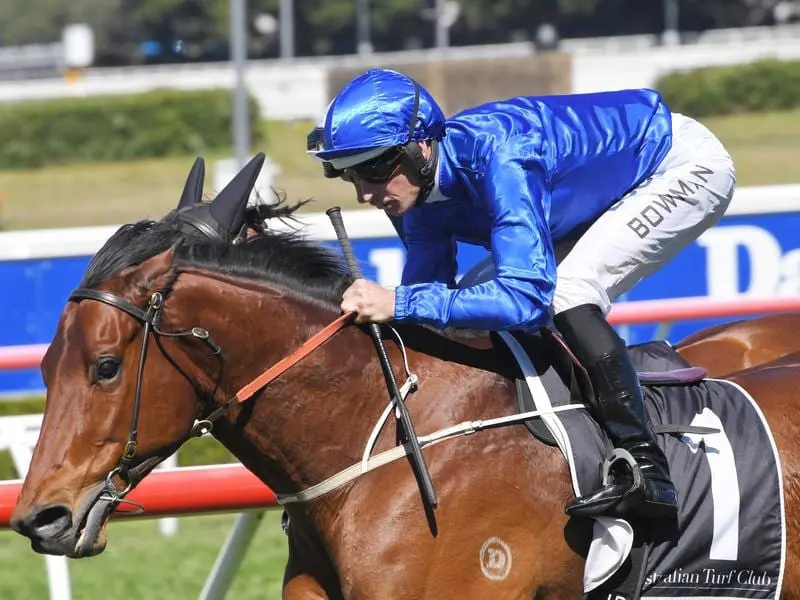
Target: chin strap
<point>425,169</point>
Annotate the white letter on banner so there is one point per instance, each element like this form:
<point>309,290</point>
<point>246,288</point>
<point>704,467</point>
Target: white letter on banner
<point>388,263</point>
<point>722,261</point>
<point>790,274</point>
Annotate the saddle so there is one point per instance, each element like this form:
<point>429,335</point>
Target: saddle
<point>657,363</point>
<point>722,459</point>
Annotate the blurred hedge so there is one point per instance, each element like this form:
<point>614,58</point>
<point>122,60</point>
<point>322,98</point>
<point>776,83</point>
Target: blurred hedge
<point>754,87</point>
<point>203,451</point>
<point>117,128</point>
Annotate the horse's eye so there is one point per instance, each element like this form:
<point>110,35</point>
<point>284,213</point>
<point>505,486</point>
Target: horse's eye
<point>107,368</point>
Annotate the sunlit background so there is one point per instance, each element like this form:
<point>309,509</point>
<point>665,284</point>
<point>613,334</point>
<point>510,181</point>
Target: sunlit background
<point>104,104</point>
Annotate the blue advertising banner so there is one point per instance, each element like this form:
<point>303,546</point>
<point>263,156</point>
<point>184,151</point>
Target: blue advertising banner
<point>745,254</point>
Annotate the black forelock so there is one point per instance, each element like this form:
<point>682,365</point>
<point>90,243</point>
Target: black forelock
<point>130,246</point>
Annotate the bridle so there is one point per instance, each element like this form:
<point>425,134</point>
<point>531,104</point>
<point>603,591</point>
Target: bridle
<point>149,319</point>
<point>129,469</point>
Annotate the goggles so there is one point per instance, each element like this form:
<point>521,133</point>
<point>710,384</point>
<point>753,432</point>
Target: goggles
<point>380,169</point>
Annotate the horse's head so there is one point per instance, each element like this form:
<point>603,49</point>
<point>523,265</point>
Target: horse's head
<point>123,389</point>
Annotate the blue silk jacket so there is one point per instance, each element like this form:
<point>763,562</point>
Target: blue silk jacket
<point>515,177</point>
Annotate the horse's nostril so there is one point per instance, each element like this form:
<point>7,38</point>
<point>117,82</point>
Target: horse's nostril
<point>49,516</point>
<point>44,523</point>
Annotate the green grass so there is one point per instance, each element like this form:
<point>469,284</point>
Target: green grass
<point>764,147</point>
<point>141,564</point>
<point>113,193</point>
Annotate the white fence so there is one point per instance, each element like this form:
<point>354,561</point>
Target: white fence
<point>592,72</point>
<point>298,88</point>
<point>85,241</point>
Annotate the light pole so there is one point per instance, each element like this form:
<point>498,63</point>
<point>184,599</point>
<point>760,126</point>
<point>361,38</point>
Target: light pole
<point>671,37</point>
<point>286,19</point>
<point>238,51</point>
<point>444,13</point>
<point>363,42</point>
<point>442,27</point>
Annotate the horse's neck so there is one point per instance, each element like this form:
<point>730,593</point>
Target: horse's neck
<point>314,419</point>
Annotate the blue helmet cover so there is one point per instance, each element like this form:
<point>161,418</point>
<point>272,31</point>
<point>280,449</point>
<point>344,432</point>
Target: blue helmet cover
<point>374,111</point>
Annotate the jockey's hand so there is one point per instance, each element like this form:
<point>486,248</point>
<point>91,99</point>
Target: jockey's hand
<point>371,302</point>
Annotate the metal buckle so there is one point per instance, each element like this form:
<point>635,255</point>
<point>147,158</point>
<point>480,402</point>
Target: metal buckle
<point>111,488</point>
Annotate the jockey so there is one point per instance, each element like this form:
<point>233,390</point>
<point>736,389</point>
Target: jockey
<point>518,176</point>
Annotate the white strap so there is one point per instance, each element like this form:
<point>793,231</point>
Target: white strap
<point>355,471</point>
<point>408,386</point>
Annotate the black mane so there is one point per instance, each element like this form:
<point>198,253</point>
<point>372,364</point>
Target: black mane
<point>285,258</point>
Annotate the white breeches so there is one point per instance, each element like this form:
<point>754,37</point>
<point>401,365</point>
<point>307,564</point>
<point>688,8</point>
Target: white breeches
<point>688,193</point>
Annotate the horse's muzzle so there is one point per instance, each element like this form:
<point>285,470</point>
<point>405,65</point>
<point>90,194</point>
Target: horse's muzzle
<point>46,527</point>
<point>58,530</point>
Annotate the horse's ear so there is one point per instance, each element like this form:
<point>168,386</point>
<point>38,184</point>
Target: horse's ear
<point>228,208</point>
<point>193,189</point>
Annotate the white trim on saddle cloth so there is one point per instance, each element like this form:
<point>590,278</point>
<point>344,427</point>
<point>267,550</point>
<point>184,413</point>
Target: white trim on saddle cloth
<point>612,538</point>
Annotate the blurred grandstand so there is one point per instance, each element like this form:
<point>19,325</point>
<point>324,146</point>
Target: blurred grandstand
<point>194,31</point>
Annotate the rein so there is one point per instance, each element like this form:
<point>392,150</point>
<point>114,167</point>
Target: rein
<point>315,341</point>
<point>299,354</point>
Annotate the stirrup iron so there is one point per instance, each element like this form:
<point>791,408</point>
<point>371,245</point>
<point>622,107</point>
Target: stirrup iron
<point>622,455</point>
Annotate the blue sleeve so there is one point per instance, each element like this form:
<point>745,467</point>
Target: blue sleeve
<point>430,249</point>
<point>517,192</point>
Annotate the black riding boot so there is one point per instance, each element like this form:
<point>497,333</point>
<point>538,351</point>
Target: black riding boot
<point>621,411</point>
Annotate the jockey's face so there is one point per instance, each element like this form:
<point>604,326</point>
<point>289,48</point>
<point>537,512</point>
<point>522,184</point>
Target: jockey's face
<point>396,194</point>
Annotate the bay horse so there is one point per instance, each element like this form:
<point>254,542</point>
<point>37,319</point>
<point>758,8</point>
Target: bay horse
<point>215,315</point>
<point>730,347</point>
